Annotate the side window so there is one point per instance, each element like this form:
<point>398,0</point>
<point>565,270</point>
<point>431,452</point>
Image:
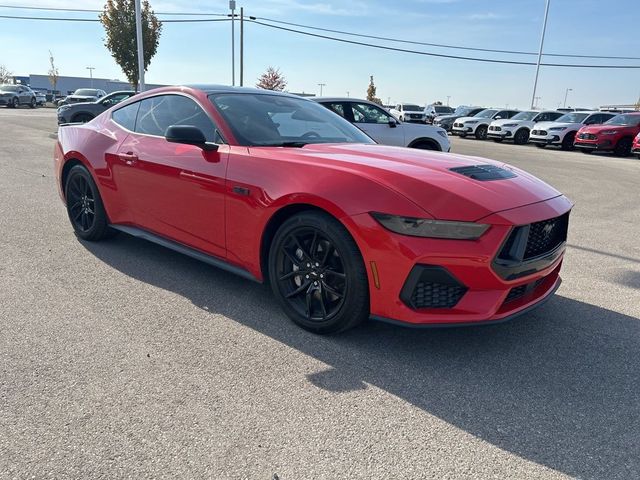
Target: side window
<point>593,119</point>
<point>399,108</point>
<point>126,116</point>
<point>336,108</point>
<point>159,113</point>
<point>365,113</point>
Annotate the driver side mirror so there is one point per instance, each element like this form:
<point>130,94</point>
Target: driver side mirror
<point>189,135</point>
<point>393,123</point>
<point>498,117</point>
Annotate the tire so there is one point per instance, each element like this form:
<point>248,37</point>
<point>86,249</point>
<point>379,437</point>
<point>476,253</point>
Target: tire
<point>82,118</point>
<point>540,145</point>
<point>84,206</point>
<point>623,147</point>
<point>15,103</point>
<point>498,140</point>
<point>425,146</point>
<point>481,132</point>
<point>567,141</point>
<point>521,137</point>
<point>331,294</point>
<point>33,103</point>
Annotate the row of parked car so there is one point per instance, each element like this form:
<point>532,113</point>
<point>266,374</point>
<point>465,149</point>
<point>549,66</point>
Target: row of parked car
<point>586,130</point>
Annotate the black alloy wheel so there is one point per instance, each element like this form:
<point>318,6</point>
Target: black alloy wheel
<point>317,274</point>
<point>33,102</point>
<point>623,147</point>
<point>15,103</point>
<point>521,137</point>
<point>84,206</point>
<point>481,132</point>
<point>567,141</point>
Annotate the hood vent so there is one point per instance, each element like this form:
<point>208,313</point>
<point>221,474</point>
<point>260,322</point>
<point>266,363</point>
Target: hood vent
<point>484,172</point>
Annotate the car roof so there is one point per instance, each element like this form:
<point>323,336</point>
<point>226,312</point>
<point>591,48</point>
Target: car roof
<point>213,88</point>
<point>340,99</point>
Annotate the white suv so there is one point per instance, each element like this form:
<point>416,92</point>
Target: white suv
<point>518,127</point>
<point>478,125</point>
<point>408,112</point>
<point>384,128</point>
<point>563,131</point>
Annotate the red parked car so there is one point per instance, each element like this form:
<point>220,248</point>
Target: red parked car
<point>278,188</point>
<point>615,135</point>
<point>636,146</point>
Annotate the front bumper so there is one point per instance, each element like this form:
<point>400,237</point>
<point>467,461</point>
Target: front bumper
<point>63,118</point>
<point>6,100</point>
<point>593,145</point>
<point>547,140</point>
<point>475,293</point>
<point>464,130</point>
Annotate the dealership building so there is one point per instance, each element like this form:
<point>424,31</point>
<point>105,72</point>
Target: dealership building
<point>68,85</point>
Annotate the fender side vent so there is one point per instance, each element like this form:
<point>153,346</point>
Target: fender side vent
<point>484,172</point>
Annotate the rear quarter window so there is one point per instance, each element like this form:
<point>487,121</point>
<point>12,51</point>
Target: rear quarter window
<point>126,116</point>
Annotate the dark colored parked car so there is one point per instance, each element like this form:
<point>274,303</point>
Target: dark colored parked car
<point>446,121</point>
<point>15,95</point>
<point>86,111</point>
<point>83,95</point>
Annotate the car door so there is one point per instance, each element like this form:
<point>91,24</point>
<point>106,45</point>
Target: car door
<point>377,123</point>
<point>176,190</point>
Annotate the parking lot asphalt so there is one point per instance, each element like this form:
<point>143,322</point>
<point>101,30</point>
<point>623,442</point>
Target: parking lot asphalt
<point>122,359</point>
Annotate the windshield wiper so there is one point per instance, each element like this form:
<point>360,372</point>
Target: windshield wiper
<point>298,144</point>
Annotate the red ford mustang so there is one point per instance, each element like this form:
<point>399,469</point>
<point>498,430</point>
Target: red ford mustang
<point>277,188</point>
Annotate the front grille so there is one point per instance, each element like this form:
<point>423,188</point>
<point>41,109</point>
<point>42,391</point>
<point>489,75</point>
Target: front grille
<point>495,129</point>
<point>587,136</point>
<point>545,236</point>
<point>484,172</point>
<point>460,125</point>
<point>415,115</point>
<point>436,295</point>
<point>538,132</point>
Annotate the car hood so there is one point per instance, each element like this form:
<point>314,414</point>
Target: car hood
<point>446,117</point>
<point>602,128</point>
<point>466,119</point>
<point>425,178</point>
<point>548,125</point>
<point>506,121</point>
<point>82,98</point>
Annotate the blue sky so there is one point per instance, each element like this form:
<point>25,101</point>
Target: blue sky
<point>196,53</point>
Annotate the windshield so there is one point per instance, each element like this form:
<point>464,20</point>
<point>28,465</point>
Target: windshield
<point>573,117</point>
<point>86,92</point>
<point>624,120</point>
<point>408,107</point>
<point>463,111</point>
<point>486,113</point>
<point>441,109</point>
<point>275,120</point>
<point>8,88</point>
<point>524,116</point>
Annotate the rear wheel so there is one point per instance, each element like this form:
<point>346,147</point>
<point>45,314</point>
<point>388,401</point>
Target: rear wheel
<point>521,137</point>
<point>84,206</point>
<point>33,102</point>
<point>317,274</point>
<point>623,147</point>
<point>567,141</point>
<point>481,132</point>
<point>15,103</point>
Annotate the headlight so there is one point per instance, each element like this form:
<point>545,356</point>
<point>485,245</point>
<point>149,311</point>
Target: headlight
<point>442,133</point>
<point>422,227</point>
<point>510,125</point>
<point>471,122</point>
<point>609,132</point>
<point>557,129</point>
<point>62,108</point>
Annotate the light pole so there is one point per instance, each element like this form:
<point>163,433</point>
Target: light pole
<point>321,85</point>
<point>139,46</point>
<point>566,92</point>
<point>544,29</point>
<point>534,104</point>
<point>91,69</point>
<point>448,97</point>
<point>347,93</point>
<point>232,6</point>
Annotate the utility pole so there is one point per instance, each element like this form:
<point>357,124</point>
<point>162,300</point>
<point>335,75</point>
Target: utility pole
<point>91,69</point>
<point>347,93</point>
<point>566,92</point>
<point>534,104</point>
<point>232,6</point>
<point>544,29</point>
<point>241,46</point>
<point>140,46</point>
<point>321,85</point>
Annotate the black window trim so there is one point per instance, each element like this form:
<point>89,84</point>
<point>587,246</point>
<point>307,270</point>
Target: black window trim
<point>217,132</point>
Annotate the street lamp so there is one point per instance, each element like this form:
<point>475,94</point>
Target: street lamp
<point>91,69</point>
<point>321,85</point>
<point>566,92</point>
<point>232,7</point>
<point>448,97</point>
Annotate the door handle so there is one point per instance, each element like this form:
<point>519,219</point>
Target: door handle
<point>129,158</point>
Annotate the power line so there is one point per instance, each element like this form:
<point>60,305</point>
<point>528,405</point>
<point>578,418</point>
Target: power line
<point>440,45</point>
<point>88,10</point>
<point>441,55</point>
<point>58,19</point>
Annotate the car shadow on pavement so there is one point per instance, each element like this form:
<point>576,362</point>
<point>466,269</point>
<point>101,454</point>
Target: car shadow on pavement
<point>559,387</point>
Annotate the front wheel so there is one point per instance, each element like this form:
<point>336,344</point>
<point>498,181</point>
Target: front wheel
<point>567,141</point>
<point>15,103</point>
<point>623,147</point>
<point>84,206</point>
<point>521,137</point>
<point>33,103</point>
<point>481,132</point>
<point>317,274</point>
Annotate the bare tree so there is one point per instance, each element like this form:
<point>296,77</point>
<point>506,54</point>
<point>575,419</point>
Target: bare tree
<point>5,75</point>
<point>53,73</point>
<point>272,79</point>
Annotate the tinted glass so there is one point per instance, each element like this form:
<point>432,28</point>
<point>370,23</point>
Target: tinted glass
<point>88,92</point>
<point>624,120</point>
<point>126,116</point>
<point>337,108</point>
<point>114,99</point>
<point>159,113</point>
<point>365,113</point>
<point>277,120</point>
<point>573,117</point>
<point>524,116</point>
<point>9,88</point>
<point>442,109</point>
<point>486,113</point>
<point>407,107</point>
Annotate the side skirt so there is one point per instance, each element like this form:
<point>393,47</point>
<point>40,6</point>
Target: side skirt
<point>191,252</point>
